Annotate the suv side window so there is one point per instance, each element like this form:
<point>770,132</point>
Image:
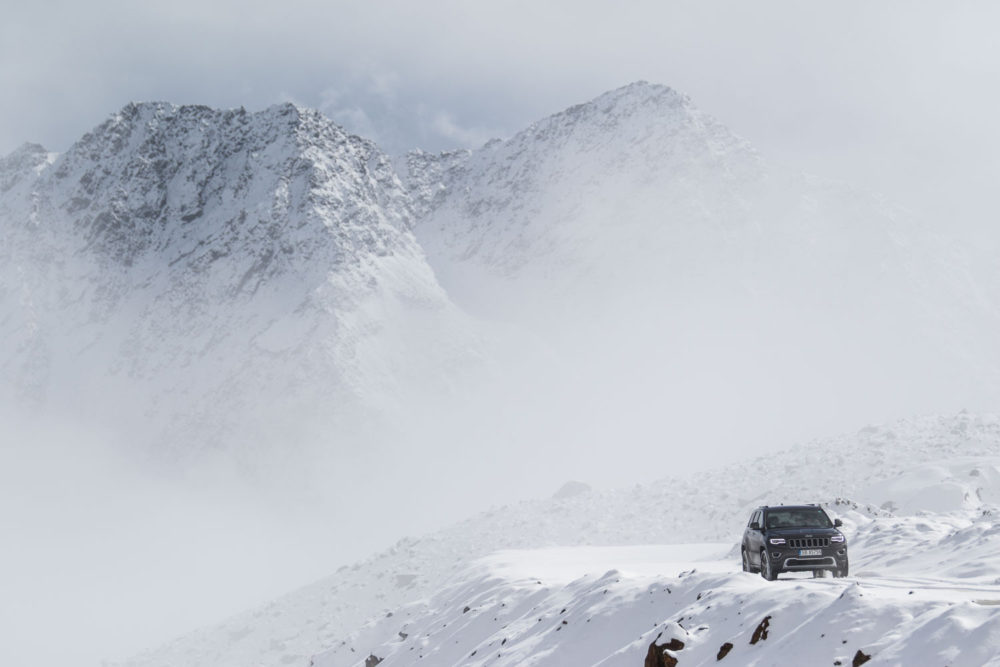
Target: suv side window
<point>754,517</point>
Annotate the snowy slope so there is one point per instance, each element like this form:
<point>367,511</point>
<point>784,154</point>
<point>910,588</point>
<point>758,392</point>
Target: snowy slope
<point>199,267</point>
<point>710,507</point>
<point>617,605</point>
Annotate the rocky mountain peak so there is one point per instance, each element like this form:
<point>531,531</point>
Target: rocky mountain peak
<point>24,163</point>
<point>273,248</point>
<point>156,177</point>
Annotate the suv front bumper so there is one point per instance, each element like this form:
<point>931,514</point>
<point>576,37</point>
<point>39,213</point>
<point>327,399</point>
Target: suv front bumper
<point>789,560</point>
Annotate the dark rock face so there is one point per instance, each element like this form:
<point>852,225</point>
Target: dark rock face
<point>657,655</point>
<point>372,660</point>
<point>860,658</point>
<point>724,651</point>
<point>760,633</point>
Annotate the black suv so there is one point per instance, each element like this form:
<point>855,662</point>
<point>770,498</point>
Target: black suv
<point>793,538</point>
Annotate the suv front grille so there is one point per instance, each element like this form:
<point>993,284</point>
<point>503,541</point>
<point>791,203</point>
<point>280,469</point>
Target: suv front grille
<point>806,542</point>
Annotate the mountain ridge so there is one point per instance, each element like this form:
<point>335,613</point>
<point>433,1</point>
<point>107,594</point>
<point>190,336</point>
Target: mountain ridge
<point>185,230</point>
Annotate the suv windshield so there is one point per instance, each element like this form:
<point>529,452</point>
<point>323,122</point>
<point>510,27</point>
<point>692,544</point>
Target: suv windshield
<point>798,517</point>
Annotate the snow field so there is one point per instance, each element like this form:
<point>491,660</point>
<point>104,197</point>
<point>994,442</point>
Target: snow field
<point>555,607</point>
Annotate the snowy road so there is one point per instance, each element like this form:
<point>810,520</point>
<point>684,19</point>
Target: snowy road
<point>566,564</point>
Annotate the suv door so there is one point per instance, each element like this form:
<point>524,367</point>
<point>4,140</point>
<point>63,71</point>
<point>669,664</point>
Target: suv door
<point>755,537</point>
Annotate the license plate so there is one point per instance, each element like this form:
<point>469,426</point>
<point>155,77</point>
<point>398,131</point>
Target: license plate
<point>810,552</point>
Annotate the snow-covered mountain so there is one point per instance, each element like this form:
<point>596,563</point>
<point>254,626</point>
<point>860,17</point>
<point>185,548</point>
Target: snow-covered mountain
<point>222,272</point>
<point>642,189</point>
<point>625,285</point>
<point>541,200</point>
<point>637,225</point>
<point>413,587</point>
<point>206,266</point>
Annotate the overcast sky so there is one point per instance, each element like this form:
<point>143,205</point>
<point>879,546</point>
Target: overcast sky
<point>899,96</point>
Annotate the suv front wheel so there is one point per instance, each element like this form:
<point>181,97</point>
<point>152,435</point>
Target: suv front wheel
<point>766,569</point>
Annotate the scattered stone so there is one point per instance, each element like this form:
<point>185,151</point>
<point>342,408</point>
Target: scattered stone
<point>403,635</point>
<point>657,657</point>
<point>724,651</point>
<point>761,632</point>
<point>372,660</point>
<point>860,658</point>
<point>466,610</point>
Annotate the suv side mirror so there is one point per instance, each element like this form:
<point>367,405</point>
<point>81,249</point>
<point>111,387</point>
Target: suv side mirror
<point>837,523</point>
<point>754,526</point>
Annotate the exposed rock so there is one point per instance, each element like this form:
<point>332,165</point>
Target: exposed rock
<point>657,656</point>
<point>724,651</point>
<point>372,660</point>
<point>860,658</point>
<point>761,632</point>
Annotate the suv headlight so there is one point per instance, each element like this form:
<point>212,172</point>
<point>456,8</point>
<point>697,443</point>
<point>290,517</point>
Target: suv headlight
<point>777,540</point>
<point>837,538</point>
